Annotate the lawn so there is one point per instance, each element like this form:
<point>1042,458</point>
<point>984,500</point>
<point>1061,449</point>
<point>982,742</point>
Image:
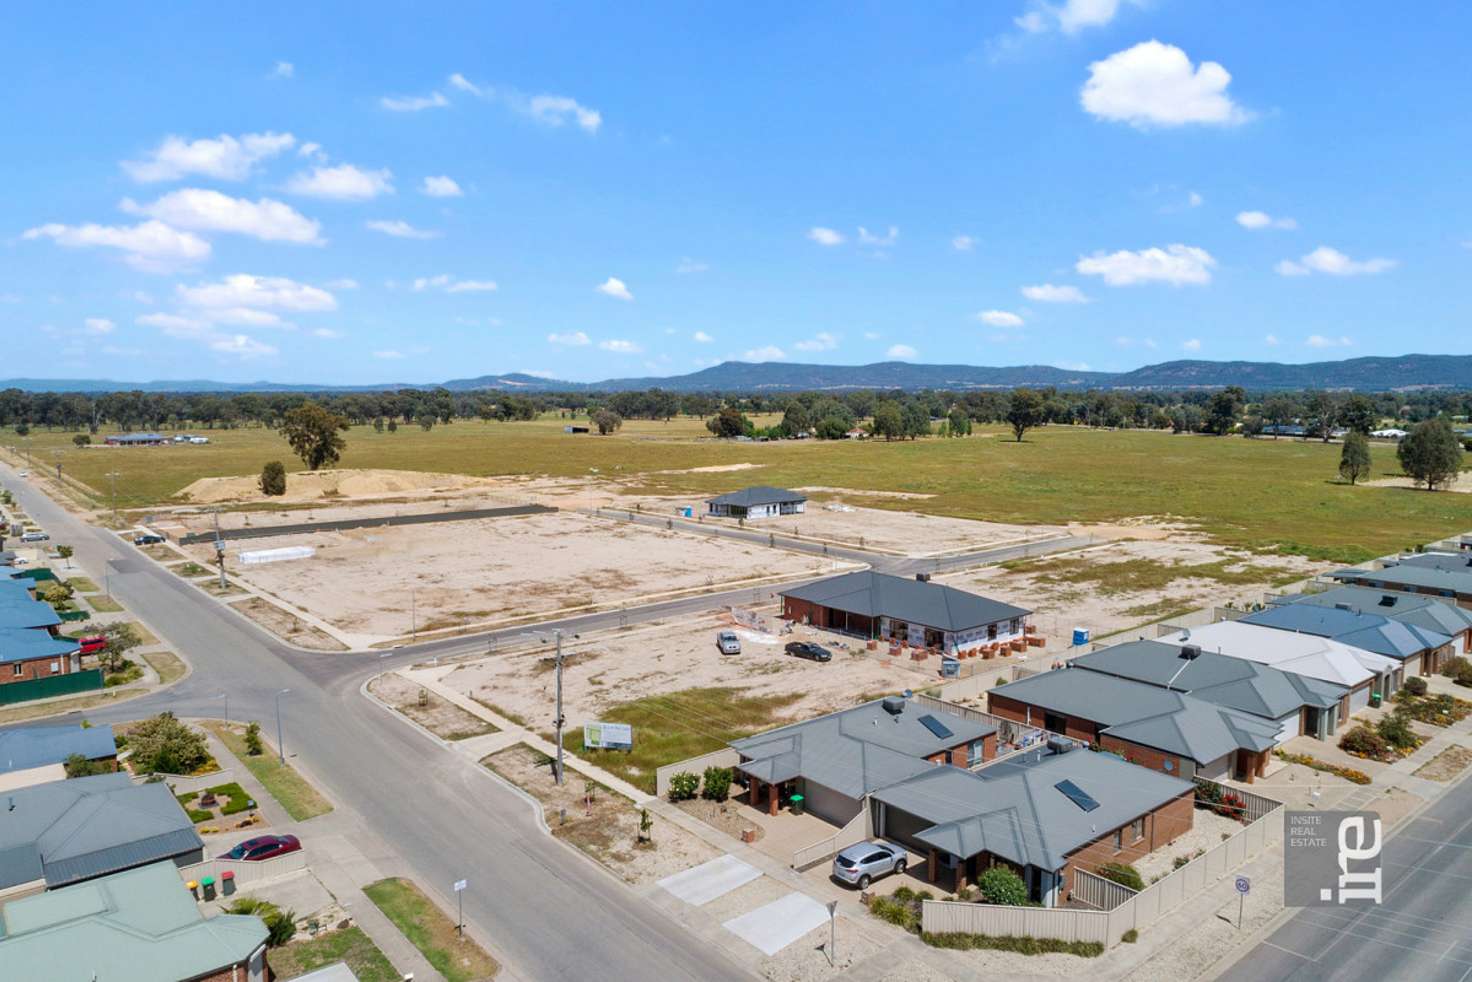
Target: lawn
<point>349,945</point>
<point>1279,495</point>
<point>677,726</point>
<point>1134,575</point>
<point>290,789</point>
<point>102,603</point>
<point>167,664</point>
<point>457,958</point>
<point>82,585</point>
<point>231,800</point>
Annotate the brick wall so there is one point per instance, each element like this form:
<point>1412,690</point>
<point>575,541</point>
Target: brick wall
<point>1148,756</point>
<point>795,610</point>
<point>1016,709</point>
<point>234,973</point>
<point>36,668</point>
<point>1162,826</point>
<point>958,756</point>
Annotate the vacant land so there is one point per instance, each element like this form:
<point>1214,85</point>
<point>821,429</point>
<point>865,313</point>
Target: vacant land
<point>433,712</point>
<point>349,945</point>
<point>290,789</point>
<point>454,956</point>
<point>287,625</point>
<point>1447,765</point>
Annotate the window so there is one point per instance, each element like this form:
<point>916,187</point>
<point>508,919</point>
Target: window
<point>55,667</point>
<point>975,752</point>
<point>1118,839</point>
<point>1055,722</point>
<point>1137,829</point>
<point>19,668</point>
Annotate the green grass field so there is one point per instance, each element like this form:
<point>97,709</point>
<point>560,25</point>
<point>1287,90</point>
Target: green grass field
<point>290,789</point>
<point>457,958</point>
<point>349,945</point>
<point>1280,495</point>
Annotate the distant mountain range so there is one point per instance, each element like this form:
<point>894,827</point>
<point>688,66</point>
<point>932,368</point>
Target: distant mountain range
<point>1365,374</point>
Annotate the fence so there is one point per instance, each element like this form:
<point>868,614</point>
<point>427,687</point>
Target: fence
<point>190,783</point>
<point>725,757</point>
<point>247,874</point>
<point>1009,731</point>
<point>859,828</point>
<point>87,680</point>
<point>1130,910</point>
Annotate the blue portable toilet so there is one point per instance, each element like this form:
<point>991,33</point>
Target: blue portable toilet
<point>1080,637</point>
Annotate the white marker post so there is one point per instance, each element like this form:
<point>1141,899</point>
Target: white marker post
<point>832,932</point>
<point>460,886</point>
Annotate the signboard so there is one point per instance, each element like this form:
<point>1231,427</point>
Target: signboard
<point>608,736</point>
<point>461,885</point>
<point>1244,885</point>
<point>1332,859</point>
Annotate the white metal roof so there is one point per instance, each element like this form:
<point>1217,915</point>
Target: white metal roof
<point>1289,651</point>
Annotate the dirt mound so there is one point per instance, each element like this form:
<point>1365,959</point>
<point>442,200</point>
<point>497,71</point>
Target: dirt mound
<point>315,485</point>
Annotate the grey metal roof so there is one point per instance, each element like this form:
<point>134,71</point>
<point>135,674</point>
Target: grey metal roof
<point>1015,809</point>
<point>871,594</point>
<point>25,643</point>
<point>1451,581</point>
<point>759,495</point>
<point>1145,714</point>
<point>1372,632</point>
<point>89,826</point>
<point>1428,613</point>
<point>37,746</point>
<point>1232,682</point>
<point>856,750</point>
<point>138,926</point>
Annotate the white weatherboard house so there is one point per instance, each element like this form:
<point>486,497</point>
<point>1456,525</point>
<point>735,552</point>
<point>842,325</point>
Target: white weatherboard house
<point>758,502</point>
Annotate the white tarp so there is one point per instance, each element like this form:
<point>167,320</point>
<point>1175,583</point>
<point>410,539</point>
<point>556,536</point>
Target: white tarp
<point>277,555</point>
<point>701,884</point>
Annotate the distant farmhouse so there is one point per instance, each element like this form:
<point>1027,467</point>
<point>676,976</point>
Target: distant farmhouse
<point>135,440</point>
<point>758,502</point>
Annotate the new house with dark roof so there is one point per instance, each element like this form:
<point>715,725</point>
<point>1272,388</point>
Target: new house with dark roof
<point>833,761</point>
<point>56,834</point>
<point>37,754</point>
<point>1044,814</point>
<point>137,926</point>
<point>1295,704</point>
<point>757,502</point>
<point>1152,726</point>
<point>1420,651</point>
<point>1426,613</point>
<point>916,611</point>
<point>1447,575</point>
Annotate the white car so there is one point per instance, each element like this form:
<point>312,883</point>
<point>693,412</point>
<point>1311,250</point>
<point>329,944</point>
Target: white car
<point>729,643</point>
<point>25,473</point>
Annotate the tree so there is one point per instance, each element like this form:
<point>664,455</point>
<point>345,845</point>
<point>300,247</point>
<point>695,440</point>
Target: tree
<point>832,428</point>
<point>717,783</point>
<point>315,434</point>
<point>280,924</point>
<point>1359,414</point>
<point>393,426</point>
<point>1000,885</point>
<point>1025,410</point>
<point>273,479</point>
<point>729,422</point>
<point>58,594</point>
<point>1431,453</point>
<point>253,746</point>
<point>78,766</point>
<point>121,638</point>
<point>1354,459</point>
<point>81,440</point>
<point>426,421</point>
<point>162,744</point>
<point>378,424</point>
<point>1222,411</point>
<point>66,552</point>
<point>683,786</point>
<point>607,421</point>
<point>1279,410</point>
<point>889,421</point>
<point>959,422</point>
<point>796,420</point>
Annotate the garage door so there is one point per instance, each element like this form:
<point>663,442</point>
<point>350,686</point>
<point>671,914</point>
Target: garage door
<point>1288,726</point>
<point>1360,698</point>
<point>829,804</point>
<point>902,828</point>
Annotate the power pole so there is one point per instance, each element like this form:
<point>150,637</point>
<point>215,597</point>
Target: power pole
<point>220,552</point>
<point>559,706</point>
<point>114,476</point>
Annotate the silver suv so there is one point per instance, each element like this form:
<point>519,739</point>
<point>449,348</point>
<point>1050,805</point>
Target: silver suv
<point>863,861</point>
<point>729,643</point>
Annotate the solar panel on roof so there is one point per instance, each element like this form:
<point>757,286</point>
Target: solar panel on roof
<point>1077,795</point>
<point>935,726</point>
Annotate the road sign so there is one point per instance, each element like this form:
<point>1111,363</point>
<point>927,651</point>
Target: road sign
<point>461,885</point>
<point>1244,885</point>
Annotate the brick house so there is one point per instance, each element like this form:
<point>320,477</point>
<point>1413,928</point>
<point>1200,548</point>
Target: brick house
<point>1445,575</point>
<point>27,654</point>
<point>1414,610</point>
<point>1419,650</point>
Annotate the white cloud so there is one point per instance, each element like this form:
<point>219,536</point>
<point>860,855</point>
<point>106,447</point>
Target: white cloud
<point>1070,16</point>
<point>1194,344</point>
<point>150,246</point>
<point>1261,219</point>
<point>312,151</point>
<point>872,335</point>
<point>901,351</point>
<point>620,347</point>
<point>225,157</point>
<point>963,243</point>
<point>441,187</point>
<point>343,182</point>
<point>413,103</point>
<point>99,325</point>
<point>1052,293</point>
<point>614,287</point>
<point>1319,341</point>
<point>247,317</point>
<point>1031,22</point>
<point>555,110</point>
<point>1332,262</point>
<point>388,354</point>
<point>283,69</point>
<point>243,290</point>
<point>573,339</point>
<point>400,229</point>
<point>423,283</point>
<point>884,241</point>
<point>464,84</point>
<point>825,236</point>
<point>472,286</point>
<point>1271,341</point>
<point>174,325</point>
<point>822,341</point>
<point>1175,264</point>
<point>345,283</point>
<point>1154,84</point>
<point>142,296</point>
<point>241,346</point>
<point>687,265</point>
<point>768,352</point>
<point>700,337</point>
<point>1194,199</point>
<point>327,333</point>
<point>999,318</point>
<point>210,211</point>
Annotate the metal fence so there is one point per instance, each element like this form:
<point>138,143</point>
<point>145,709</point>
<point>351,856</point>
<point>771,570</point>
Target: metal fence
<point>247,874</point>
<point>1009,731</point>
<point>303,528</point>
<point>1097,892</point>
<point>87,680</point>
<point>725,757</point>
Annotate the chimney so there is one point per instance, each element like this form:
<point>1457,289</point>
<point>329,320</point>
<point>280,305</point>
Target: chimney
<point>1190,652</point>
<point>923,577</point>
<point>894,705</point>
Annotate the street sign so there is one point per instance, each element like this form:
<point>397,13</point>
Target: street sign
<point>1244,885</point>
<point>461,885</point>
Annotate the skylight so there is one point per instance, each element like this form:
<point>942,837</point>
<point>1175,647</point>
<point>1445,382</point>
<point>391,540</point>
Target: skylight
<point>936,727</point>
<point>1077,795</point>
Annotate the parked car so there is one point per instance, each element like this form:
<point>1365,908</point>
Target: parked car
<point>806,649</point>
<point>35,536</point>
<point>729,643</point>
<point>864,861</point>
<point>263,847</point>
<point>25,473</point>
<point>147,539</point>
<point>93,643</point>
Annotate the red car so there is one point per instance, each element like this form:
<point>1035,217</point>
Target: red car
<point>92,644</point>
<point>263,847</point>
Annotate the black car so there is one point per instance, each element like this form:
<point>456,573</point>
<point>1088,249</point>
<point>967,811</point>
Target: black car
<point>149,539</point>
<point>808,650</point>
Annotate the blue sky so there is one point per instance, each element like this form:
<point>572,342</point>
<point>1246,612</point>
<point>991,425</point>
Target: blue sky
<point>367,192</point>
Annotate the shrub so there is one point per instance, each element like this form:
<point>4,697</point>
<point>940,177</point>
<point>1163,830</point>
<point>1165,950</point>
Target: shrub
<point>253,745</point>
<point>1019,945</point>
<point>1364,742</point>
<point>683,786</point>
<point>1395,730</point>
<point>273,479</point>
<point>1124,874</point>
<point>899,912</point>
<point>1455,667</point>
<point>1130,936</point>
<point>78,766</point>
<point>999,885</point>
<point>1415,686</point>
<point>280,924</point>
<point>717,783</point>
<point>167,745</point>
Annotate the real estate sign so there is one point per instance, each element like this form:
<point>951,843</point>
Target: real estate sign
<point>608,736</point>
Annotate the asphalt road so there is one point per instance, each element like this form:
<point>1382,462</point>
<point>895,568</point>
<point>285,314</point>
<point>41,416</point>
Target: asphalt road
<point>550,912</point>
<point>1422,930</point>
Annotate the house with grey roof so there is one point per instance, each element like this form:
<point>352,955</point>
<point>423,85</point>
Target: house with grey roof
<point>1420,651</point>
<point>141,925</point>
<point>1447,575</point>
<point>1426,613</point>
<point>834,761</point>
<point>1147,724</point>
<point>63,832</point>
<point>37,754</point>
<point>758,502</point>
<point>916,611</point>
<point>1295,704</point>
<point>1044,814</point>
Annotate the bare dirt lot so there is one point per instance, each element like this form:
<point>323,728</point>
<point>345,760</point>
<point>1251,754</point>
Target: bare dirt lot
<point>436,714</point>
<point>376,584</point>
<point>904,532</point>
<point>287,625</point>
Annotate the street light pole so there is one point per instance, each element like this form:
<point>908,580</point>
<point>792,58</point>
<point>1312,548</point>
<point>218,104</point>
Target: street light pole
<point>280,745</point>
<point>413,617</point>
<point>559,706</point>
<point>114,476</point>
<point>226,697</point>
